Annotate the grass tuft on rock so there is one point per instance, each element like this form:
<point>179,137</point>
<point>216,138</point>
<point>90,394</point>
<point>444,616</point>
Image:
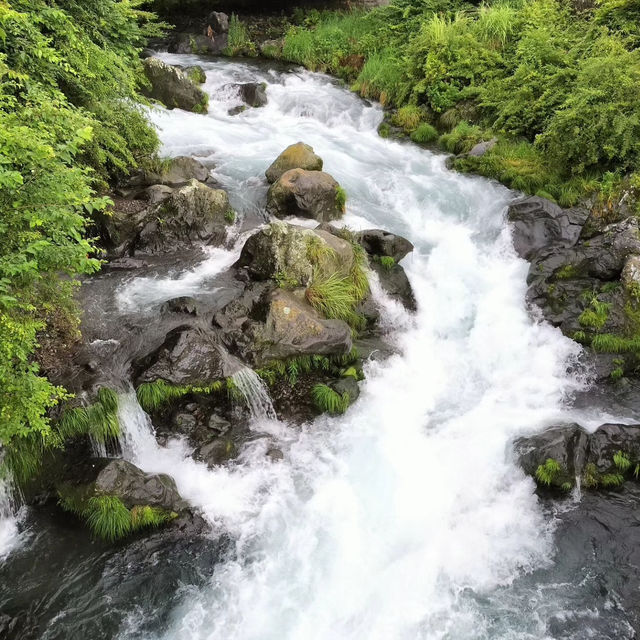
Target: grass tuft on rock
<point>329,401</point>
<point>548,472</point>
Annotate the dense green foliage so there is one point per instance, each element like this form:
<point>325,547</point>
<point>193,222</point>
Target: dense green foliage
<point>329,401</point>
<point>557,85</point>
<point>69,123</point>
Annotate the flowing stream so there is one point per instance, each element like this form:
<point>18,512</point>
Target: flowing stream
<point>395,520</point>
<point>406,518</point>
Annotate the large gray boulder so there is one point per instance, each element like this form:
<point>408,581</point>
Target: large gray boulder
<point>294,328</point>
<point>137,488</point>
<point>305,194</point>
<point>537,222</point>
<point>176,172</point>
<point>296,156</point>
<point>191,215</point>
<point>173,87</point>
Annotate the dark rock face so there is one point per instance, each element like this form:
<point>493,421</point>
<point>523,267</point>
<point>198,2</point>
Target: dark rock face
<point>173,87</point>
<point>575,449</point>
<point>174,220</point>
<point>134,487</point>
<point>377,242</point>
<point>253,93</point>
<point>190,356</point>
<point>306,194</point>
<point>537,222</point>
<point>191,215</point>
<point>395,282</point>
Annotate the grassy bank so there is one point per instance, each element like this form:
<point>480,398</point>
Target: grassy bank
<point>69,125</point>
<point>556,85</point>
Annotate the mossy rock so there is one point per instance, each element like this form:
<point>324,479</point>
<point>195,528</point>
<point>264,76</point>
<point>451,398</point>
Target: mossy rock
<point>173,87</point>
<point>296,156</point>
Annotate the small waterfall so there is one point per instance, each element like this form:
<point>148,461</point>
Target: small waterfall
<point>8,519</point>
<point>255,394</point>
<point>138,434</point>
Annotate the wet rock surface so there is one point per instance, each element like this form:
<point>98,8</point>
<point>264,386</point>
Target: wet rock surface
<point>306,194</point>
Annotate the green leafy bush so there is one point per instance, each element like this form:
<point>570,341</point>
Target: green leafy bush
<point>69,123</point>
<point>425,133</point>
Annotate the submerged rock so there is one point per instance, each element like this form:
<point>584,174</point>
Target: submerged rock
<point>306,194</point>
<point>173,87</point>
<point>377,242</point>
<point>253,94</point>
<point>296,156</point>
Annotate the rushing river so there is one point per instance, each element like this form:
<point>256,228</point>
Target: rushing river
<point>406,518</point>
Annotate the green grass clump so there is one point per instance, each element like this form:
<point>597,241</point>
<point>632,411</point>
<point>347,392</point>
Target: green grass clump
<point>566,272</point>
<point>108,518</point>
<point>590,476</point>
<point>341,198</point>
<point>548,472</point>
<point>143,516</point>
<point>239,42</point>
<point>621,461</point>
<point>424,134</point>
<point>99,420</point>
<point>462,138</point>
<point>230,216</point>
<point>408,118</point>
<point>329,401</point>
<point>611,480</point>
<point>595,317</point>
<point>610,343</point>
<point>333,297</point>
<point>387,262</point>
<point>152,396</point>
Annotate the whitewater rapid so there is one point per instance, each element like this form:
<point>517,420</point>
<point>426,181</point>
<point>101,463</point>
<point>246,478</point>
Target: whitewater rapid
<point>403,518</point>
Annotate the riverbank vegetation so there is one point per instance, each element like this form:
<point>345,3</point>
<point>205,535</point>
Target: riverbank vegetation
<point>555,84</point>
<point>70,124</point>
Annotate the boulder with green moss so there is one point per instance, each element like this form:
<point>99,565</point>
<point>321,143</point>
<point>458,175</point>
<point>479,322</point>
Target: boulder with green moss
<point>288,253</point>
<point>115,498</point>
<point>306,194</point>
<point>173,87</point>
<point>562,454</point>
<point>296,156</point>
<point>294,327</point>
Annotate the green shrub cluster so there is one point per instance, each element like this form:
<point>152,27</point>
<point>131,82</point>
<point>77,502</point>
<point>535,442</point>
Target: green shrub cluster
<point>69,123</point>
<point>557,86</point>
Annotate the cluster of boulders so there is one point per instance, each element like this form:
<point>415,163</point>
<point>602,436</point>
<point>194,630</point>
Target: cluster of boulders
<point>273,313</point>
<point>172,209</point>
<point>584,277</point>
